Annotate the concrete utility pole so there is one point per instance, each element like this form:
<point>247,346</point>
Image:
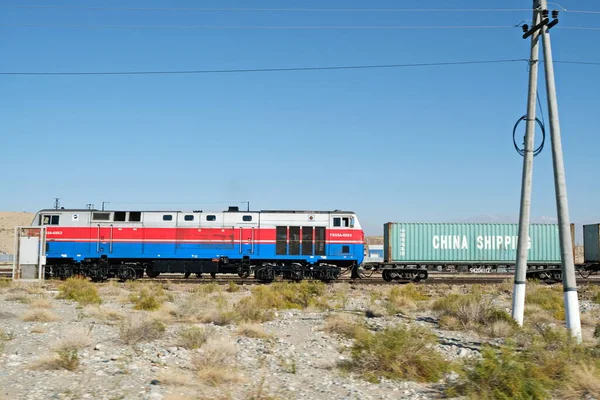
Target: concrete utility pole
<point>562,205</point>
<point>518,305</point>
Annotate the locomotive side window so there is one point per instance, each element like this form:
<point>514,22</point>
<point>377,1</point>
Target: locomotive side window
<point>337,221</point>
<point>247,218</point>
<point>345,222</point>
<point>135,216</point>
<point>319,241</point>
<point>101,216</point>
<point>50,219</point>
<point>167,217</point>
<point>119,216</point>
<point>281,240</point>
<point>294,240</point>
<point>307,240</point>
<point>188,218</point>
<point>211,217</point>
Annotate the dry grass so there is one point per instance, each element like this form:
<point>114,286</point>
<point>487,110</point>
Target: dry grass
<point>500,329</point>
<point>103,314</point>
<point>38,329</point>
<point>41,303</point>
<point>140,328</point>
<point>176,378</point>
<point>214,363</point>
<point>193,337</point>
<point>66,352</point>
<point>344,325</point>
<point>39,315</point>
<point>255,331</point>
<point>207,288</point>
<point>112,289</point>
<point>397,353</point>
<point>79,290</point>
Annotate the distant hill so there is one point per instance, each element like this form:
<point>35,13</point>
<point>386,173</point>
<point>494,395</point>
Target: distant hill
<point>8,221</point>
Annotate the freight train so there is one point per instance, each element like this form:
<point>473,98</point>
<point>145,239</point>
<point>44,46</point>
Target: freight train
<point>479,247</point>
<point>293,244</point>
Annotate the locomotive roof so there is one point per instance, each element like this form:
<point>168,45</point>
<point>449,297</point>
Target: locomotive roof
<point>227,211</point>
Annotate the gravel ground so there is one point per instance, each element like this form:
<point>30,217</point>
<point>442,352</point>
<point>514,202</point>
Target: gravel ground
<point>297,361</point>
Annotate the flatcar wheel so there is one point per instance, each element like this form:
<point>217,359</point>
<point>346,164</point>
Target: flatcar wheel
<point>187,275</point>
<point>386,275</point>
<point>213,275</point>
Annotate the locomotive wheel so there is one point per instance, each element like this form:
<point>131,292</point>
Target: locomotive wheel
<point>187,275</point>
<point>213,275</point>
<point>152,274</point>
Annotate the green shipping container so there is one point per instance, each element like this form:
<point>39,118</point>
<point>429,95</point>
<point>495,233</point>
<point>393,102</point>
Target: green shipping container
<point>468,243</point>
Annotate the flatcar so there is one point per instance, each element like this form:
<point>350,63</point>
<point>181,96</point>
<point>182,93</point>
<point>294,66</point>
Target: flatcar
<point>293,244</point>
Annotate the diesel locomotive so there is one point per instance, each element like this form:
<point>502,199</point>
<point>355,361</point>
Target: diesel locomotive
<point>293,244</point>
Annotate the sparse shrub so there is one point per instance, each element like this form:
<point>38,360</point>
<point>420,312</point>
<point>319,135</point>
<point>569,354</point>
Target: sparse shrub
<point>253,331</point>
<point>4,337</point>
<point>79,290</point>
<point>38,329</point>
<point>233,287</point>
<point>551,364</point>
<point>18,297</point>
<point>207,288</point>
<point>470,311</point>
<point>401,298</point>
<point>214,363</point>
<point>285,295</point>
<point>500,329</point>
<point>192,337</point>
<point>597,331</point>
<point>102,314</point>
<point>148,297</point>
<point>141,329</point>
<point>547,298</point>
<point>504,374</point>
<point>397,353</point>
<point>5,283</point>
<point>249,309</point>
<point>39,315</point>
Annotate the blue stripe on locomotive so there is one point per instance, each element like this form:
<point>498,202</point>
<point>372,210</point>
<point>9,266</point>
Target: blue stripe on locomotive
<point>132,250</point>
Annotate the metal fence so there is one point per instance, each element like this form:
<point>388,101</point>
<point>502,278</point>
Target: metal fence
<point>7,258</point>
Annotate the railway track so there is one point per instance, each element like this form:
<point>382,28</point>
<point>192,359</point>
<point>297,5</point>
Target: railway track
<point>435,278</point>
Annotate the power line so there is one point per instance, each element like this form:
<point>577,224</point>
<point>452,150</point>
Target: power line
<point>577,62</point>
<point>257,27</point>
<point>326,10</point>
<point>244,9</point>
<point>284,27</point>
<point>225,71</point>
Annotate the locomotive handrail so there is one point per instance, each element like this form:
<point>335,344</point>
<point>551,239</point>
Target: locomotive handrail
<point>111,239</point>
<point>252,248</point>
<point>98,242</point>
<point>241,229</point>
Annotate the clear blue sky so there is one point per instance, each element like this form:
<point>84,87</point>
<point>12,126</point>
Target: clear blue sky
<point>411,144</point>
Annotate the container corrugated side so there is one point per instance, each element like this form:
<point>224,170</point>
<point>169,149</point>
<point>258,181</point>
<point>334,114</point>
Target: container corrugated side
<point>591,243</point>
<point>468,242</point>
